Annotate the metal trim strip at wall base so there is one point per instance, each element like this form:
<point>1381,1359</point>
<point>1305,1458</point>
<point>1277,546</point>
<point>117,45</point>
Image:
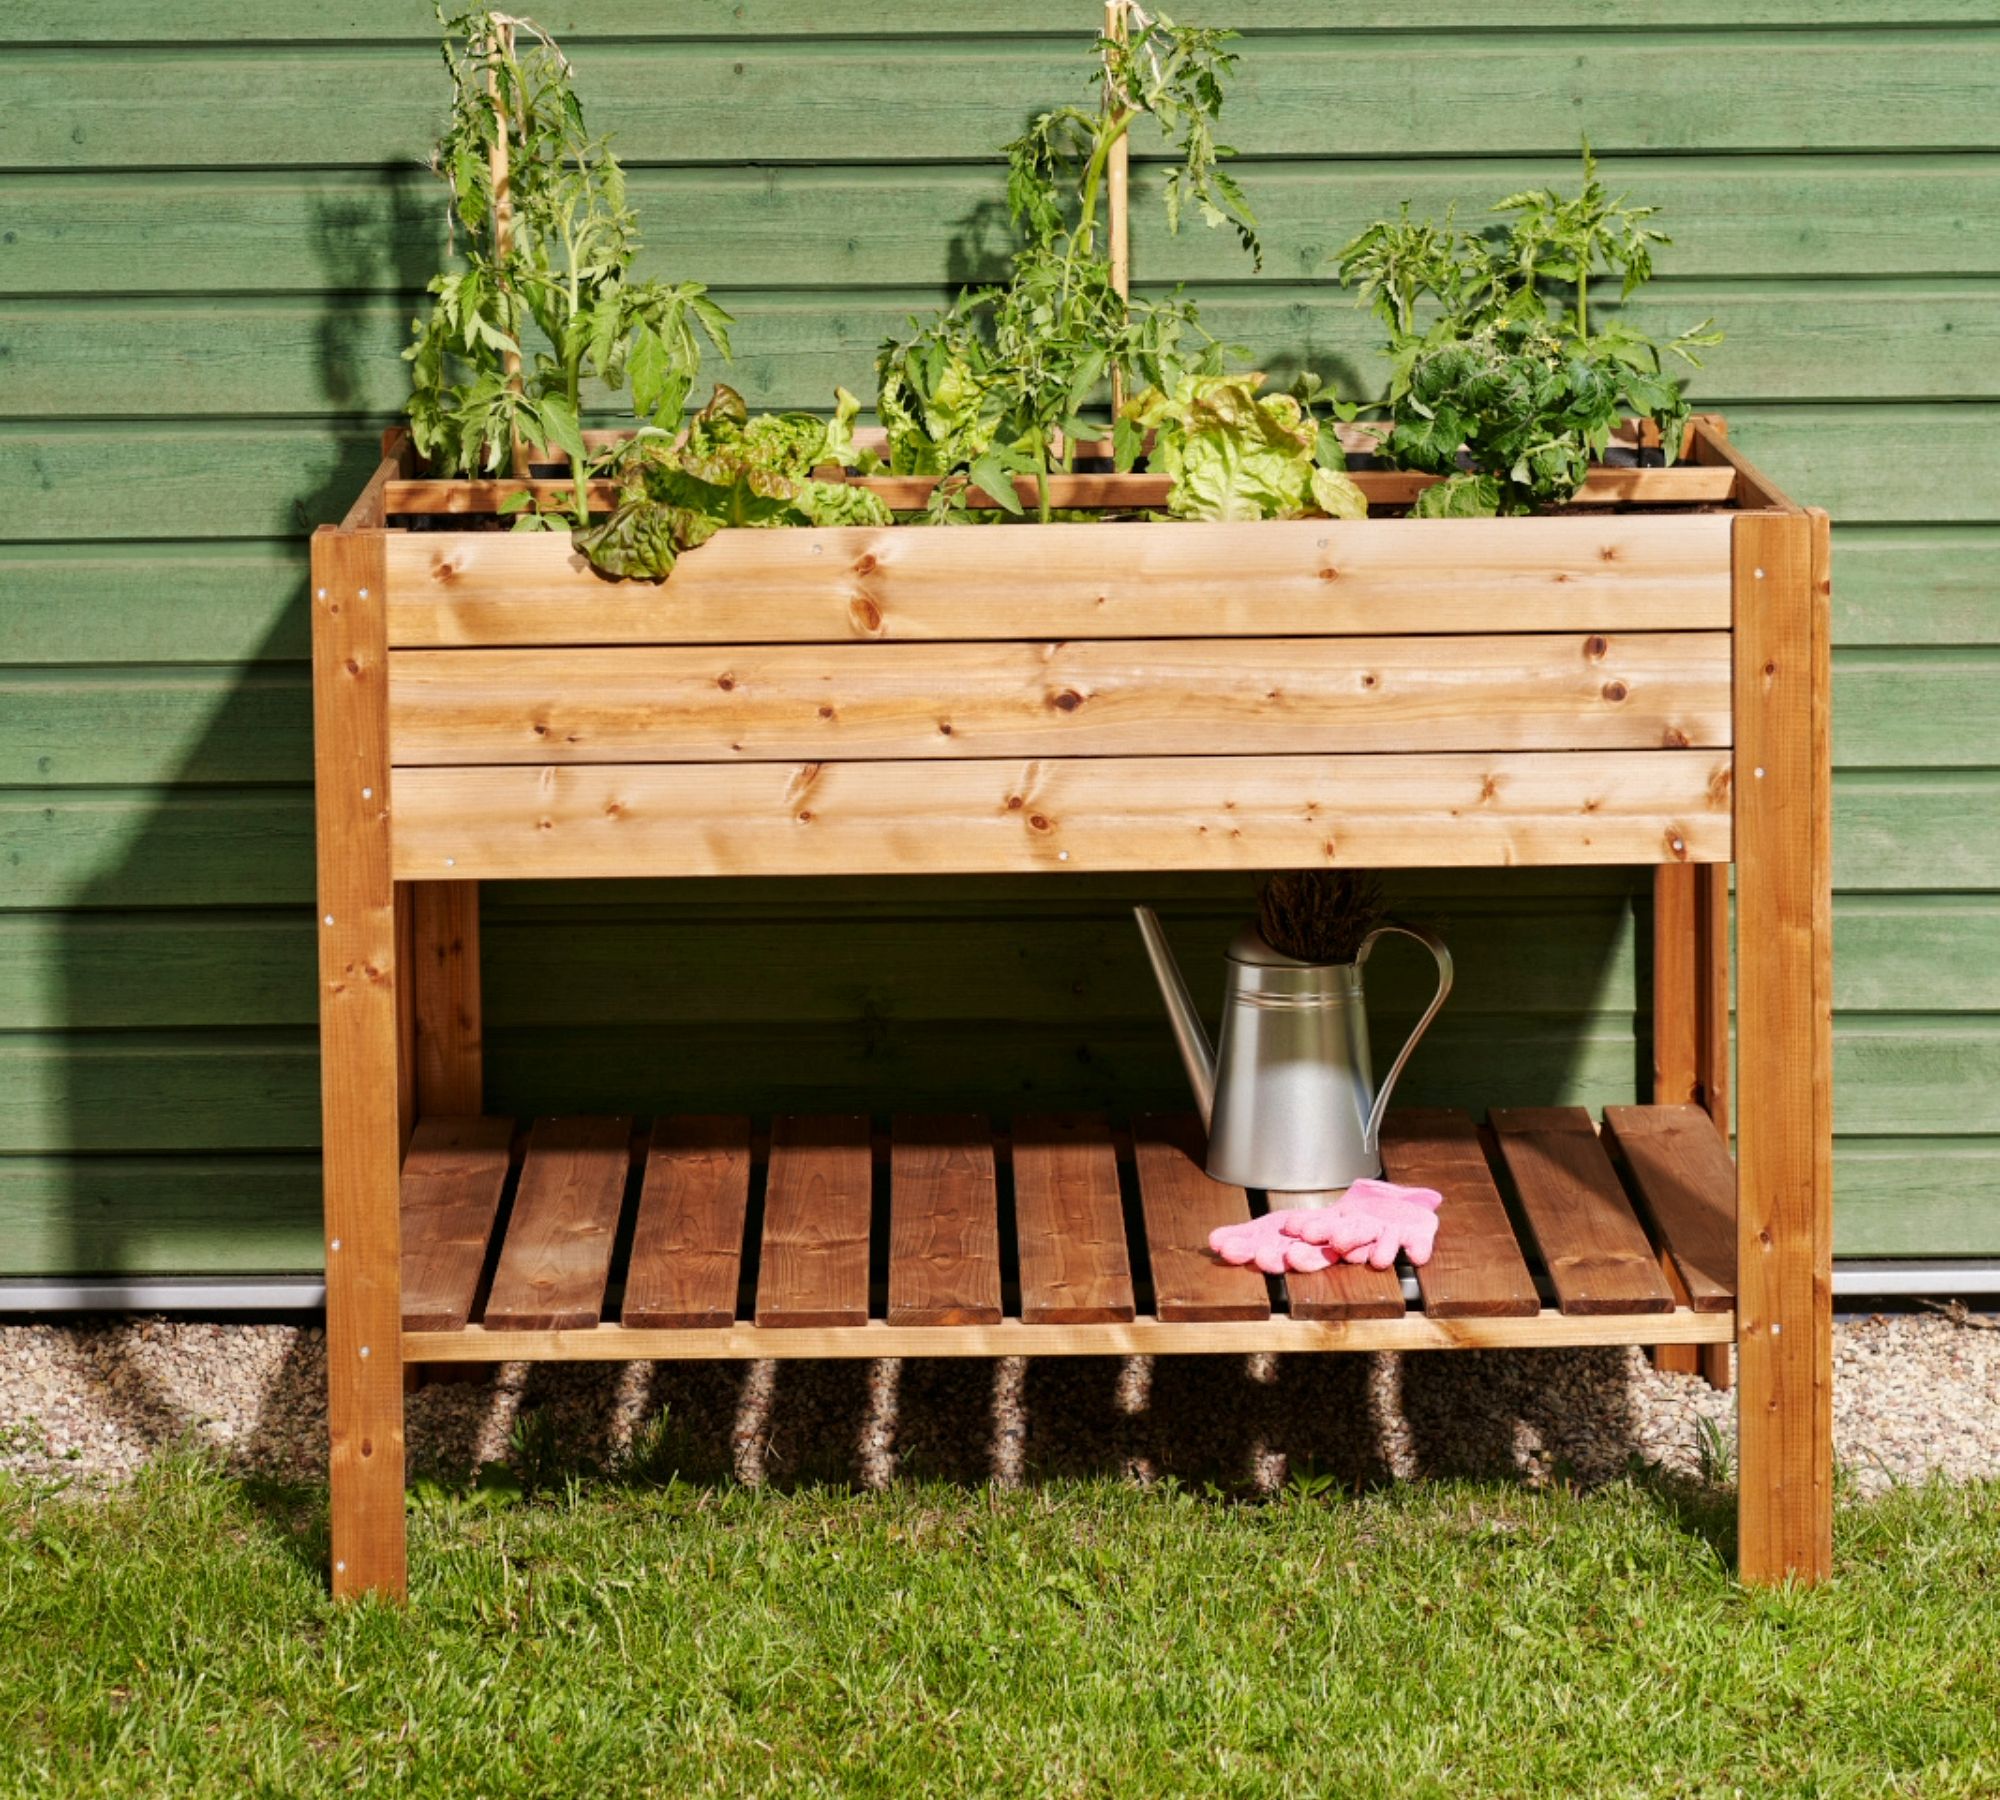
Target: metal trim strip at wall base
<point>1859,1278</point>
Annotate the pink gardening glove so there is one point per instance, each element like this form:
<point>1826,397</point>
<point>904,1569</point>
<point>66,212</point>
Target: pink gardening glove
<point>1373,1222</point>
<point>1270,1243</point>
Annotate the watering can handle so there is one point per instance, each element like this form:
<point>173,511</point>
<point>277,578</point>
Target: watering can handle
<point>1435,945</point>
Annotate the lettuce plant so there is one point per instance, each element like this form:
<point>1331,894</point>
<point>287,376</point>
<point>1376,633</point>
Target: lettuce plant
<point>727,469</point>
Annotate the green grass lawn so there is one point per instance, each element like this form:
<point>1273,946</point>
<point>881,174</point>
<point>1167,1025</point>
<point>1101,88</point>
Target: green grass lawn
<point>617,1637</point>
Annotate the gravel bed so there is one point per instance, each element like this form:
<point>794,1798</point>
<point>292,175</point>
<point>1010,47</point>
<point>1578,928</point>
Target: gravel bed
<point>1913,1396</point>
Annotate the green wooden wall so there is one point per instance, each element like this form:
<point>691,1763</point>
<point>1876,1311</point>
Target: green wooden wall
<point>212,225</point>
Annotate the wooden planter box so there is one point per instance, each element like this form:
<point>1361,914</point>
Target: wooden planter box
<point>1608,686</point>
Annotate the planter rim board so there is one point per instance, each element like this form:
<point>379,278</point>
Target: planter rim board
<point>1596,685</point>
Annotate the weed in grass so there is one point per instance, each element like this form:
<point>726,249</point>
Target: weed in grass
<point>1715,1453</point>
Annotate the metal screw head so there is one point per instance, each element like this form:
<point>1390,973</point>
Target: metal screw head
<point>335,1245</point>
<point>364,1352</point>
<point>1679,844</point>
<point>817,548</point>
<point>367,793</point>
<point>1759,573</point>
<point>322,593</point>
<point>451,862</point>
<point>1062,856</point>
<point>340,1568</point>
<point>329,918</point>
<point>364,591</point>
<point>1759,773</point>
<point>1775,1329</point>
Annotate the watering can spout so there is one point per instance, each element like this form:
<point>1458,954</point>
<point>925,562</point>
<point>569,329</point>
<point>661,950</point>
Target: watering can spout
<point>1189,1035</point>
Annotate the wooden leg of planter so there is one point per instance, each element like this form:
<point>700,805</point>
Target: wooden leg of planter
<point>1674,1032</point>
<point>363,1087</point>
<point>449,1059</point>
<point>1711,1038</point>
<point>1784,1023</point>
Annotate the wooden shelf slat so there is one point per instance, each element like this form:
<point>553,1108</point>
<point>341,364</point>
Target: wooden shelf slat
<point>453,1177</point>
<point>1070,1222</point>
<point>1685,1182</point>
<point>817,1195</point>
<point>1345,1291</point>
<point>687,1245</point>
<point>1182,1205</point>
<point>1597,1254</point>
<point>557,1253</point>
<point>944,1221</point>
<point>1147,1335</point>
<point>1476,1270</point>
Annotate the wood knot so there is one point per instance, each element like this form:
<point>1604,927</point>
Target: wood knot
<point>1595,648</point>
<point>1329,574</point>
<point>1614,690</point>
<point>541,730</point>
<point>1368,681</point>
<point>1067,701</point>
<point>826,712</point>
<point>804,815</point>
<point>1609,553</point>
<point>1489,788</point>
<point>726,682</point>
<point>865,563</point>
<point>867,616</point>
<point>944,728</point>
<point>1038,822</point>
<point>1674,738</point>
<point>1014,803</point>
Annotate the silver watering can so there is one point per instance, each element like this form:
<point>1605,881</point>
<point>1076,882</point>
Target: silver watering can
<point>1289,1100</point>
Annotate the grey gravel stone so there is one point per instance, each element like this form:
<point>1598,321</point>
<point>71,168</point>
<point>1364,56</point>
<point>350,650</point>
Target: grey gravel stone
<point>1913,1396</point>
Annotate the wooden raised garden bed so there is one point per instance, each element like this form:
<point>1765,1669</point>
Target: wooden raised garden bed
<point>1642,679</point>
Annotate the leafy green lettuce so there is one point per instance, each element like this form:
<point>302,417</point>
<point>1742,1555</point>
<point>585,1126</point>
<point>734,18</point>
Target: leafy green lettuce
<point>729,469</point>
<point>1232,453</point>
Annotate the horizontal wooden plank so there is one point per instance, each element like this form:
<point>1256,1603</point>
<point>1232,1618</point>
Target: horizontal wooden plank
<point>1406,93</point>
<point>453,1174</point>
<point>855,225</point>
<point>72,727</point>
<point>137,1090</point>
<point>1874,464</point>
<point>944,1221</point>
<point>813,1269</point>
<point>79,971</point>
<point>1277,578</point>
<point>687,1242</point>
<point>1476,1268</point>
<point>1029,961</point>
<point>764,703</point>
<point>1069,1221</point>
<point>154,603</point>
<point>217,603</point>
<point>1596,1254</point>
<point>249,21</point>
<point>1915,584</point>
<point>1182,1204</point>
<point>1145,1336</point>
<point>1678,1169</point>
<point>555,1253</point>
<point>1808,340</point>
<point>195,726</point>
<point>1095,813</point>
<point>204,1214</point>
<point>145,848</point>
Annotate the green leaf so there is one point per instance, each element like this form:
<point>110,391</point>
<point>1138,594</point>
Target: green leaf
<point>991,474</point>
<point>1462,496</point>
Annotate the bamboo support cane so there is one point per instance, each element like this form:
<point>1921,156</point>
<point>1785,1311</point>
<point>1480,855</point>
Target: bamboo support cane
<point>500,174</point>
<point>1118,196</point>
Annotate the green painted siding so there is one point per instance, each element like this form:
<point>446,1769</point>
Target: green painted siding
<point>212,227</point>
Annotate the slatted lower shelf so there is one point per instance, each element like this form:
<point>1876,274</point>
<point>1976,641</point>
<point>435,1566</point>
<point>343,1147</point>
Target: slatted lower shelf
<point>586,1238</point>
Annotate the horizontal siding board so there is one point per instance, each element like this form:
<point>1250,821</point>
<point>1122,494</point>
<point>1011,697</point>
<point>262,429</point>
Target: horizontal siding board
<point>265,357</point>
<point>254,21</point>
<point>130,848</point>
<point>1888,463</point>
<point>856,226</point>
<point>159,1215</point>
<point>99,1091</point>
<point>1900,1196</point>
<point>154,603</point>
<point>1915,584</point>
<point>1400,94</point>
<point>186,727</point>
<point>84,971</point>
<point>1517,958</point>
